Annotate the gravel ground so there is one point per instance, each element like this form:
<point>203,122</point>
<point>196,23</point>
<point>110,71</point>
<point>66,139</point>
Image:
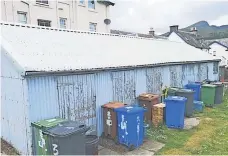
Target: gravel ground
<point>7,149</point>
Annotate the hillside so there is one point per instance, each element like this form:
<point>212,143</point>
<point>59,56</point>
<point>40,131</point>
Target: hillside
<point>209,31</point>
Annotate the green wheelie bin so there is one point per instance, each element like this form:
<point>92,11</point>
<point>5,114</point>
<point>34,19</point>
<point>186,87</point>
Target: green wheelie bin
<point>208,94</point>
<point>39,140</point>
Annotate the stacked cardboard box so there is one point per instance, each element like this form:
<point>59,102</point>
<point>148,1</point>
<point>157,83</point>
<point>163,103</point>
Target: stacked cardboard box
<point>158,114</point>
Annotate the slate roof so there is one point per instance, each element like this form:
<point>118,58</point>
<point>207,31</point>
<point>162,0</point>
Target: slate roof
<point>45,49</point>
<point>190,38</point>
<point>119,32</point>
<point>223,42</point>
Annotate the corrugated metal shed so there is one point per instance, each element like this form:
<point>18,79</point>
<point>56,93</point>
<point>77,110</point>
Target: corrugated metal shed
<point>33,47</point>
<point>79,96</point>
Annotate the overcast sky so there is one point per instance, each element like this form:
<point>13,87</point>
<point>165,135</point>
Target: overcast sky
<point>140,15</point>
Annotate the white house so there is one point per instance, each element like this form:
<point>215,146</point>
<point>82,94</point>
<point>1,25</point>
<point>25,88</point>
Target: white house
<point>85,15</point>
<point>191,38</point>
<point>220,50</point>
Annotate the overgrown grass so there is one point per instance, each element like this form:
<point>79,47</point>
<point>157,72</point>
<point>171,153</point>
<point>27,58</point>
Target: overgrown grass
<point>209,138</point>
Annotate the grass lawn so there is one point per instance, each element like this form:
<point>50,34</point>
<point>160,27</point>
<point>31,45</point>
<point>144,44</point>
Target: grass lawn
<point>209,138</point>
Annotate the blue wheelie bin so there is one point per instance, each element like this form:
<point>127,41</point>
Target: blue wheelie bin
<point>175,110</point>
<point>130,121</point>
<point>195,87</point>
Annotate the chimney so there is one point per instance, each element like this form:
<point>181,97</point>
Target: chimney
<point>194,30</point>
<point>174,28</point>
<point>151,32</point>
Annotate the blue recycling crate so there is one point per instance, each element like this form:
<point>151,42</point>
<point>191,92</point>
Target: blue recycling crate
<point>198,106</point>
<point>175,110</point>
<point>195,87</point>
<point>130,121</point>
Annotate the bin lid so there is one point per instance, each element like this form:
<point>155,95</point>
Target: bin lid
<point>67,128</point>
<point>159,105</point>
<point>193,84</point>
<point>185,90</point>
<point>175,98</point>
<point>173,89</point>
<point>198,102</point>
<point>218,83</point>
<point>48,122</point>
<point>209,85</point>
<point>130,109</point>
<point>148,96</point>
<point>113,105</point>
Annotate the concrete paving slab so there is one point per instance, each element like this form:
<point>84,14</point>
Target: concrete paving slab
<point>140,151</point>
<point>106,151</point>
<point>189,123</point>
<point>152,146</point>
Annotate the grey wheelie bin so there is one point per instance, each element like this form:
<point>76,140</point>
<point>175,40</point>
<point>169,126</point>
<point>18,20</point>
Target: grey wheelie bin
<point>189,94</point>
<point>218,92</point>
<point>67,138</point>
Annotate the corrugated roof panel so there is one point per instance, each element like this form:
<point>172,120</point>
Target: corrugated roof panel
<point>37,49</point>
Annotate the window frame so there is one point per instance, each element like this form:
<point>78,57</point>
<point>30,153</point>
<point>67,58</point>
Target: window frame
<point>81,2</point>
<point>90,3</point>
<point>215,67</point>
<point>94,24</point>
<point>42,20</point>
<point>65,21</point>
<point>25,15</point>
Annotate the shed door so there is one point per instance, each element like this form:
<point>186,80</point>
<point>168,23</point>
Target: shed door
<point>77,99</point>
<point>175,76</point>
<point>124,86</point>
<point>202,72</point>
<point>154,80</point>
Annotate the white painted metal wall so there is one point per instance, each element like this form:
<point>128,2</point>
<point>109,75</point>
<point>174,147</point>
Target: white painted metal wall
<point>44,97</point>
<point>14,107</point>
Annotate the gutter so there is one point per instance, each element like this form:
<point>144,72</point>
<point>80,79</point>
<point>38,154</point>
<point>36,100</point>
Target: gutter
<point>97,70</point>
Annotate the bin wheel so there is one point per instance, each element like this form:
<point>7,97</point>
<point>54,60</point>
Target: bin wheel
<point>116,141</point>
<point>131,148</point>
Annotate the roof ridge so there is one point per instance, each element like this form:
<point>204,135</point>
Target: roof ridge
<point>71,30</point>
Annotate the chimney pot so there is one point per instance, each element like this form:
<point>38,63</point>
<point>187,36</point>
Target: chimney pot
<point>173,28</point>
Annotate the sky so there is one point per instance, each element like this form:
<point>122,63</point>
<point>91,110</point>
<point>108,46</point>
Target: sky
<point>141,15</point>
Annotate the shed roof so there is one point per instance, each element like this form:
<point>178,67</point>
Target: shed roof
<point>42,49</point>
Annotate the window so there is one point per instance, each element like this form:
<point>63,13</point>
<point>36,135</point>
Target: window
<point>45,23</point>
<point>62,22</point>
<point>91,4</point>
<point>82,2</point>
<point>214,53</point>
<point>22,17</point>
<point>42,1</point>
<point>92,27</point>
<point>215,68</point>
